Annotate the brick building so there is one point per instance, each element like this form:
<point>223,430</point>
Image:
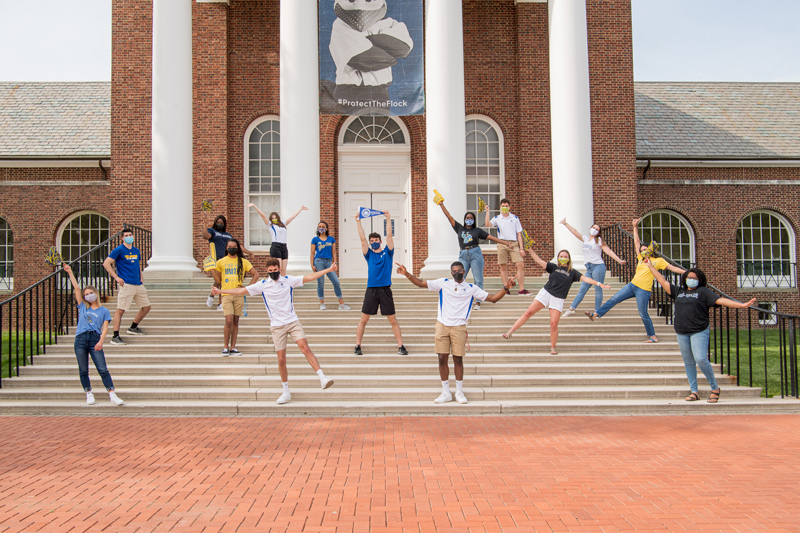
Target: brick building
<point>201,107</point>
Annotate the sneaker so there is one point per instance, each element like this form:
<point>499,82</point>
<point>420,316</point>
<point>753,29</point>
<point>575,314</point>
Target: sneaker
<point>344,307</point>
<point>357,351</point>
<point>116,400</point>
<point>225,352</point>
<point>444,397</point>
<point>285,397</point>
<point>402,350</point>
<point>210,301</point>
<point>524,292</point>
<point>322,307</point>
<point>477,306</point>
<point>89,398</point>
<point>219,307</point>
<point>117,340</point>
<point>460,398</point>
<point>568,312</point>
<point>326,382</point>
<point>136,331</point>
<point>234,351</point>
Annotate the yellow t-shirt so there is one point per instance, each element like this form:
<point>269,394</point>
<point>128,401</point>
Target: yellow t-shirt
<point>228,268</point>
<point>644,278</point>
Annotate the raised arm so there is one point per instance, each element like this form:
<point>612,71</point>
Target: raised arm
<point>591,281</point>
<point>572,230</point>
<point>727,302</point>
<point>319,273</point>
<point>659,277</point>
<point>610,253</point>
<point>261,213</point>
<point>361,235</point>
<point>636,242</point>
<point>288,220</point>
<point>488,221</point>
<point>78,292</point>
<point>389,236</point>
<point>206,224</point>
<point>447,214</point>
<point>411,277</point>
<point>539,261</point>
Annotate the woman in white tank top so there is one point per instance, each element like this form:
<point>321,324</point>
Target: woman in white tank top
<point>278,249</point>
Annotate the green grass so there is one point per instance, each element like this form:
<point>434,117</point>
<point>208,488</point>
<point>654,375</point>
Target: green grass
<point>30,349</point>
<point>773,366</point>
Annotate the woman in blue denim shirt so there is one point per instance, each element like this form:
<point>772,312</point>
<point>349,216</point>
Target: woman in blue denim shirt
<point>323,255</point>
<point>90,334</point>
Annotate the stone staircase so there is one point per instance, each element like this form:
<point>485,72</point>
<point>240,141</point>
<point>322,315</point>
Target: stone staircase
<point>177,370</point>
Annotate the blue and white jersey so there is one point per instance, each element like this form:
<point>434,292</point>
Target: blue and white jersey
<point>279,234</point>
<point>455,300</point>
<point>278,298</point>
<point>507,227</point>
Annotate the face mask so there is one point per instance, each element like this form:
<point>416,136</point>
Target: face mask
<point>90,298</point>
<point>505,210</point>
<point>274,220</point>
<point>469,222</point>
<point>219,227</point>
<point>232,251</point>
<point>692,283</point>
<point>458,277</point>
<point>321,230</point>
<point>274,275</point>
<point>128,239</point>
<point>593,232</point>
<point>563,260</point>
<point>375,245</point>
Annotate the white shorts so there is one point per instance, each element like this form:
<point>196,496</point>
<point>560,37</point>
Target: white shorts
<point>550,301</point>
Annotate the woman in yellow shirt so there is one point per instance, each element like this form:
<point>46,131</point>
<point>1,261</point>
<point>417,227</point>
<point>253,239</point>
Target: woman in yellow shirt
<point>229,274</point>
<point>640,287</point>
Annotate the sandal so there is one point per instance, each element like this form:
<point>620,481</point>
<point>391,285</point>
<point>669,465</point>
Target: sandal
<point>590,315</point>
<point>553,352</point>
<point>506,336</point>
<point>714,398</point>
<point>651,340</point>
<point>693,397</point>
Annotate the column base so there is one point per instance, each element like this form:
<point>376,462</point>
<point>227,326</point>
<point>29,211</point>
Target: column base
<point>438,267</point>
<point>171,265</point>
<point>298,266</point>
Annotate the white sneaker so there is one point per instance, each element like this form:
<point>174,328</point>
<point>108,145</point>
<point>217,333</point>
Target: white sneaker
<point>477,306</point>
<point>460,398</point>
<point>444,397</point>
<point>116,400</point>
<point>89,398</point>
<point>568,312</point>
<point>325,381</point>
<point>225,352</point>
<point>210,301</point>
<point>344,307</point>
<point>283,398</point>
<point>322,307</point>
<point>219,307</point>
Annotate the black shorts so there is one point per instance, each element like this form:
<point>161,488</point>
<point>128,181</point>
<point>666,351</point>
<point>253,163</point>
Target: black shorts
<point>378,297</point>
<point>278,250</point>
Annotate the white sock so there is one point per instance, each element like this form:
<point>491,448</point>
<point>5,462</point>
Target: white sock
<point>320,374</point>
<point>285,386</point>
<point>459,385</point>
<point>446,386</point>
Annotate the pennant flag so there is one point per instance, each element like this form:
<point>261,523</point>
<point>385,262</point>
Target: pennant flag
<point>207,206</point>
<point>437,197</point>
<point>481,205</point>
<point>366,212</point>
<point>53,258</point>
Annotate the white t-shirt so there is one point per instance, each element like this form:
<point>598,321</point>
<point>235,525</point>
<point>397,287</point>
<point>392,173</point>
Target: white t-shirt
<point>278,298</point>
<point>507,227</point>
<point>455,300</point>
<point>278,233</point>
<point>593,251</point>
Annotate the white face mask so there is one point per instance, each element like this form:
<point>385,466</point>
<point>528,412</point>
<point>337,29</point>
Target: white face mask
<point>90,297</point>
<point>593,232</point>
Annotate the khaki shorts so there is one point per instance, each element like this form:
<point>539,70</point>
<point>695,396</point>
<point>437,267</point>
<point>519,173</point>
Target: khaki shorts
<point>451,339</point>
<point>132,293</point>
<point>232,305</point>
<point>506,253</point>
<point>280,333</point>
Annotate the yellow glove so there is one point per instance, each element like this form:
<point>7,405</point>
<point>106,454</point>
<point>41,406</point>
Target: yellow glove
<point>526,240</point>
<point>53,258</point>
<point>651,250</point>
<point>437,198</point>
<point>207,206</point>
<point>481,205</point>
<point>209,264</point>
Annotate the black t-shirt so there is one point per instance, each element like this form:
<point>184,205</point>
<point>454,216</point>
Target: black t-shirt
<point>560,280</point>
<point>691,308</point>
<point>220,240</point>
<point>469,237</point>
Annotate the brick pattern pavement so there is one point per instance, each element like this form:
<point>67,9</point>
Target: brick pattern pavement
<point>731,473</point>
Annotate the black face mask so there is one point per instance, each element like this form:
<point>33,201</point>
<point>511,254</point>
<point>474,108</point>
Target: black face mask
<point>458,277</point>
<point>219,227</point>
<point>274,275</point>
<point>232,251</point>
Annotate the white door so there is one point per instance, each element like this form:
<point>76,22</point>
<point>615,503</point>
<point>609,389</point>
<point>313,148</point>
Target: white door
<point>352,260</point>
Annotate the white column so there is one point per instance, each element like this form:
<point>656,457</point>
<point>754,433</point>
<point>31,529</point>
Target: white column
<point>570,120</point>
<point>172,137</point>
<point>444,123</point>
<point>299,108</point>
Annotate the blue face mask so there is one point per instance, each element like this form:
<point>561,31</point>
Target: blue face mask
<point>469,222</point>
<point>692,283</point>
<point>128,239</point>
<point>375,245</point>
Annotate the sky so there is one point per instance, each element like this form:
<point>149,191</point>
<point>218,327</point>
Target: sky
<point>673,40</point>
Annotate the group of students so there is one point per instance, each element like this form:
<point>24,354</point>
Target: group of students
<point>457,298</point>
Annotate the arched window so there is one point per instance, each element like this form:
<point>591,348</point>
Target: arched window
<point>485,166</point>
<point>765,252</point>
<point>673,234</point>
<point>262,178</point>
<point>6,256</point>
<point>374,130</point>
<point>82,232</point>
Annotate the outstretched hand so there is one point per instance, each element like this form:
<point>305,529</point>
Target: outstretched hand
<point>604,286</point>
<point>215,290</point>
<point>334,267</point>
<point>251,205</point>
<point>636,221</point>
<point>303,208</point>
<point>563,221</point>
<point>401,269</point>
<point>66,268</point>
<point>512,283</point>
<point>750,303</point>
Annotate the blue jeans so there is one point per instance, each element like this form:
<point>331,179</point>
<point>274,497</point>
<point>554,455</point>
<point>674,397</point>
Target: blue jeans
<point>473,259</point>
<point>84,347</point>
<point>598,273</point>
<point>321,264</point>
<point>694,349</point>
<point>642,301</point>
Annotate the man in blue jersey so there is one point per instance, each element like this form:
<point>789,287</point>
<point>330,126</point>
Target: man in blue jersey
<point>379,283</point>
<point>126,258</point>
<point>455,304</point>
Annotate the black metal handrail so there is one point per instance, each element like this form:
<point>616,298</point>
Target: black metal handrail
<point>720,347</point>
<point>37,316</point>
